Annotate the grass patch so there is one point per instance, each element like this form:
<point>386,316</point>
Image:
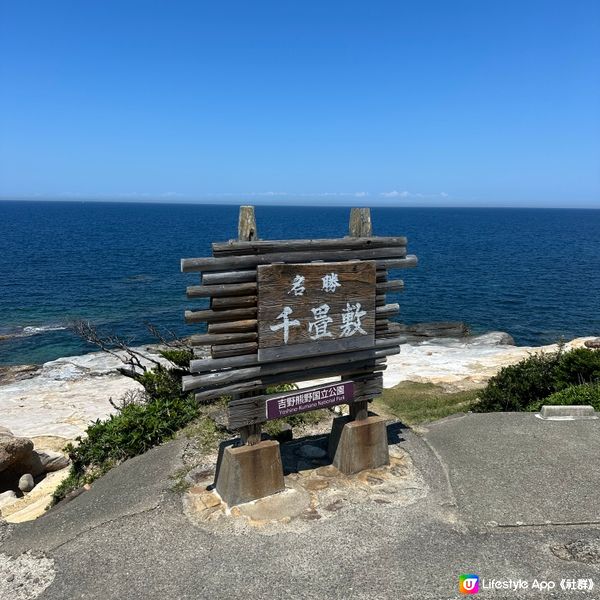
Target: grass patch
<point>206,432</point>
<point>415,403</point>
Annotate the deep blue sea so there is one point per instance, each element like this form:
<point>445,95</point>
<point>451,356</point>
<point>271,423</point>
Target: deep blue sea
<point>534,273</point>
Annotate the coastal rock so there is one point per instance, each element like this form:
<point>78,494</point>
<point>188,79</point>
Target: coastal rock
<point>458,365</point>
<point>53,461</point>
<point>26,483</point>
<point>43,461</point>
<point>7,498</point>
<point>493,338</point>
<point>14,450</point>
<point>63,396</point>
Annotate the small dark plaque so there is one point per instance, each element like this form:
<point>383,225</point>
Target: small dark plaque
<point>312,398</point>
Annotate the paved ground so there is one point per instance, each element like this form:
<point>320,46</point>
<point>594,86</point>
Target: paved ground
<point>507,496</point>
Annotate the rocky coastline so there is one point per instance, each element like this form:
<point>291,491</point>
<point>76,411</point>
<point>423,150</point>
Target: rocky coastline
<point>58,399</point>
<point>44,407</point>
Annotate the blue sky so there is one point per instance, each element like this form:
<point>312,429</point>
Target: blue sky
<point>451,103</point>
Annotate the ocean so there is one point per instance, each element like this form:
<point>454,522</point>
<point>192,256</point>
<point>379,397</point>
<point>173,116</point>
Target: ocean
<point>534,273</point>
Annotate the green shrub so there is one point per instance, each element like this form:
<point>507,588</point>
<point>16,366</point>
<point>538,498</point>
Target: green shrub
<point>578,366</point>
<point>586,393</point>
<point>178,356</point>
<point>526,385</point>
<point>161,382</point>
<point>132,431</point>
<point>515,387</point>
<point>137,427</point>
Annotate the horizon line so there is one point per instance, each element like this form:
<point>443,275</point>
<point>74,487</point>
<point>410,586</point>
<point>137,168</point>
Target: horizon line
<point>295,203</point>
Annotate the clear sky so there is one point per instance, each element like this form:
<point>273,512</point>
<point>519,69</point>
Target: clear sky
<point>404,102</point>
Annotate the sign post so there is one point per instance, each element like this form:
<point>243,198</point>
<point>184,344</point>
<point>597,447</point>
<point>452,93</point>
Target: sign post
<point>287,311</point>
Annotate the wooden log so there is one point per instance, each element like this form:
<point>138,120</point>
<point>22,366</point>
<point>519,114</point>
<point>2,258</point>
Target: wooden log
<point>233,248</point>
<point>402,263</point>
<point>361,225</point>
<point>228,350</point>
<point>221,290</point>
<point>233,326</point>
<point>228,390</point>
<point>247,230</point>
<point>394,285</point>
<point>206,339</point>
<point>390,341</point>
<point>205,365</point>
<point>292,377</point>
<point>229,277</point>
<point>252,408</point>
<point>256,370</point>
<point>396,257</point>
<point>216,316</point>
<point>234,302</point>
<point>250,435</point>
<point>388,310</point>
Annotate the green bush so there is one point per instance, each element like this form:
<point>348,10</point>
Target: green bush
<point>578,366</point>
<point>137,427</point>
<point>586,393</point>
<point>178,356</point>
<point>526,385</point>
<point>517,386</point>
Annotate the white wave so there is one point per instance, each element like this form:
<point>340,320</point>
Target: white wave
<point>34,330</point>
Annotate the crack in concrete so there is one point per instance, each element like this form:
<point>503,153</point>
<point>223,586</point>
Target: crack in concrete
<point>102,524</point>
<point>543,524</point>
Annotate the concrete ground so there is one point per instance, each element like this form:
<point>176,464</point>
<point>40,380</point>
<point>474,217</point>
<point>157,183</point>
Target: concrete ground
<point>507,496</point>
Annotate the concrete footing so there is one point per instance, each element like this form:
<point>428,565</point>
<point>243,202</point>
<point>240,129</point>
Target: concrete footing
<point>247,473</point>
<point>358,445</point>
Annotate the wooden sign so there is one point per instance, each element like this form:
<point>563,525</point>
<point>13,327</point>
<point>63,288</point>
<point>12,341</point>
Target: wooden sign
<point>307,399</point>
<point>308,309</point>
<point>286,311</point>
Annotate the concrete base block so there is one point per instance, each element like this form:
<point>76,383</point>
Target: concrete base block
<point>247,473</point>
<point>358,445</point>
<point>565,412</point>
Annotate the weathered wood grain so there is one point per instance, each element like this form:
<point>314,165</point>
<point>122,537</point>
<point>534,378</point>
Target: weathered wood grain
<point>388,310</point>
<point>214,316</point>
<point>229,277</point>
<point>394,285</point>
<point>234,302</point>
<point>365,368</point>
<point>247,230</point>
<point>233,248</point>
<point>384,256</point>
<point>256,371</point>
<point>206,365</point>
<point>280,302</point>
<point>206,339</point>
<point>227,350</point>
<point>233,326</point>
<point>221,290</point>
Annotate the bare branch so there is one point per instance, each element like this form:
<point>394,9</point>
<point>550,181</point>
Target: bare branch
<point>111,344</point>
